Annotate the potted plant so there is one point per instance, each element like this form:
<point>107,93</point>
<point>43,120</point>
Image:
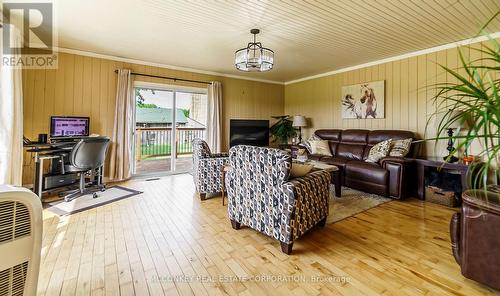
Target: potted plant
<point>282,130</point>
<point>476,95</point>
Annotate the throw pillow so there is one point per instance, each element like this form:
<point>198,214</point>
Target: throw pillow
<point>307,143</point>
<point>320,147</point>
<point>400,148</point>
<point>300,170</point>
<point>380,150</point>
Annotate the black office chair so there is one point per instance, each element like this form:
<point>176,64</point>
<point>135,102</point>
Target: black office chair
<point>87,156</point>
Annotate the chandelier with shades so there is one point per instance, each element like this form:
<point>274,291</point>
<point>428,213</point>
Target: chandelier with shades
<point>254,57</point>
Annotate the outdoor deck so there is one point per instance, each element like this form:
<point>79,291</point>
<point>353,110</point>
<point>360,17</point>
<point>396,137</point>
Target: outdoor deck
<point>154,149</point>
<point>160,165</point>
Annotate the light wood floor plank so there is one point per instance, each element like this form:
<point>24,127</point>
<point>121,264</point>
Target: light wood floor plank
<point>168,242</point>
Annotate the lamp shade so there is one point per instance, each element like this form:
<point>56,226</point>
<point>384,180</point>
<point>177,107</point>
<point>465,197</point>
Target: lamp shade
<point>299,121</point>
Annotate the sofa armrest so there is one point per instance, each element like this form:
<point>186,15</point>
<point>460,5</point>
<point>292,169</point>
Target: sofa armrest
<point>218,155</point>
<point>401,172</point>
<point>214,162</point>
<point>311,195</point>
<point>396,160</point>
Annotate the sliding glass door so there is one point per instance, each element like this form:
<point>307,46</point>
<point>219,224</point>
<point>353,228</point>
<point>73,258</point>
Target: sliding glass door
<point>167,119</point>
<point>191,123</point>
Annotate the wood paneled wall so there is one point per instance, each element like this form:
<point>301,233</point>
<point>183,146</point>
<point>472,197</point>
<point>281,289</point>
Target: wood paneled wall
<point>86,86</point>
<point>408,92</point>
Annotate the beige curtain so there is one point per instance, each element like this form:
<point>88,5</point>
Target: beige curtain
<point>11,119</point>
<point>120,164</point>
<point>214,117</point>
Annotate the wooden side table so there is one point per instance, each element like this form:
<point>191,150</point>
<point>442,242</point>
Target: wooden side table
<point>337,182</point>
<point>334,171</point>
<point>423,164</point>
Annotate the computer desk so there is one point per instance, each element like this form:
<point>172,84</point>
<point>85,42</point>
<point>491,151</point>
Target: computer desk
<point>42,152</point>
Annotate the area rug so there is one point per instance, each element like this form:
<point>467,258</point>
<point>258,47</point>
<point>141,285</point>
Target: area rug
<point>86,202</point>
<point>351,203</point>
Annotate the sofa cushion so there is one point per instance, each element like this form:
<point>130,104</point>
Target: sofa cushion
<point>300,170</point>
<point>400,148</point>
<point>307,144</point>
<point>378,136</point>
<point>357,136</point>
<point>366,171</point>
<point>336,161</point>
<point>329,134</point>
<point>315,157</point>
<point>379,151</point>
<point>333,147</point>
<point>320,147</point>
<point>350,151</point>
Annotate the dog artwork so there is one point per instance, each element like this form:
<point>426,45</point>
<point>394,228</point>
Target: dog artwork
<point>363,101</point>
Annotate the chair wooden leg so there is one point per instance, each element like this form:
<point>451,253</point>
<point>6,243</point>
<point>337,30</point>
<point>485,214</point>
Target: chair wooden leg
<point>203,196</point>
<point>235,225</point>
<point>286,248</point>
<point>322,223</point>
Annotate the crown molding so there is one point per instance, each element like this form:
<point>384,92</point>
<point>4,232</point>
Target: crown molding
<point>400,57</point>
<point>342,70</point>
<point>159,65</point>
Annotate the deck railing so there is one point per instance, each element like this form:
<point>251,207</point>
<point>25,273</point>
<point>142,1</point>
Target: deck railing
<point>157,141</point>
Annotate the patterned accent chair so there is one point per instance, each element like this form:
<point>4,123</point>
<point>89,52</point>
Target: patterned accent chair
<point>207,168</point>
<point>262,197</point>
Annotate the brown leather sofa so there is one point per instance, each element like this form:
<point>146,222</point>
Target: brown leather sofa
<point>350,148</point>
<point>475,237</point>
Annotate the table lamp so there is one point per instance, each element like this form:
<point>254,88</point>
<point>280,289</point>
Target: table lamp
<point>300,122</point>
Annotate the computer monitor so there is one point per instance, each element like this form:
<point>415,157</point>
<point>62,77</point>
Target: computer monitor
<point>69,126</point>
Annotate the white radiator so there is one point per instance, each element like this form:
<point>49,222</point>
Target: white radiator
<point>20,240</point>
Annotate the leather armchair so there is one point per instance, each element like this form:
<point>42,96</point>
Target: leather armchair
<point>475,237</point>
<point>207,168</point>
<point>261,196</point>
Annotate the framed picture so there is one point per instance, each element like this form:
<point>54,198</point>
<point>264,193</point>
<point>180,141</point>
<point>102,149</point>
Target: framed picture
<point>364,101</point>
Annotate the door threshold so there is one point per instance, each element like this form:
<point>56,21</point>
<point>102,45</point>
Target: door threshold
<point>157,175</point>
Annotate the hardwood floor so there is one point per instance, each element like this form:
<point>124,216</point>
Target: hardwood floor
<point>184,163</point>
<point>137,245</point>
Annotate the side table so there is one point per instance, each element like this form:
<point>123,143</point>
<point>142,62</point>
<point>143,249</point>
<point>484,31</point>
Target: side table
<point>423,164</point>
<point>334,171</point>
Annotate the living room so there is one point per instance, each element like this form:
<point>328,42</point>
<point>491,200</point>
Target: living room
<point>252,148</point>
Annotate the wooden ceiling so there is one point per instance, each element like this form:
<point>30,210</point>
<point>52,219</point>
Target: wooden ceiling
<point>309,37</point>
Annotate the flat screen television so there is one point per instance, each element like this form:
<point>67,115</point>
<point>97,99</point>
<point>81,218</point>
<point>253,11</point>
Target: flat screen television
<point>69,126</point>
<point>248,132</point>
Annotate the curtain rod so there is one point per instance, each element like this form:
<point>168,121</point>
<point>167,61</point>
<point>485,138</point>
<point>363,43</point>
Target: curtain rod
<point>165,77</point>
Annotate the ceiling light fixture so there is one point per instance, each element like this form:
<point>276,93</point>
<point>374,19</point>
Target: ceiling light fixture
<point>254,57</point>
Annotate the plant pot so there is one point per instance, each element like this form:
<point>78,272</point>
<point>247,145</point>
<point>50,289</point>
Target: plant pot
<point>475,239</point>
